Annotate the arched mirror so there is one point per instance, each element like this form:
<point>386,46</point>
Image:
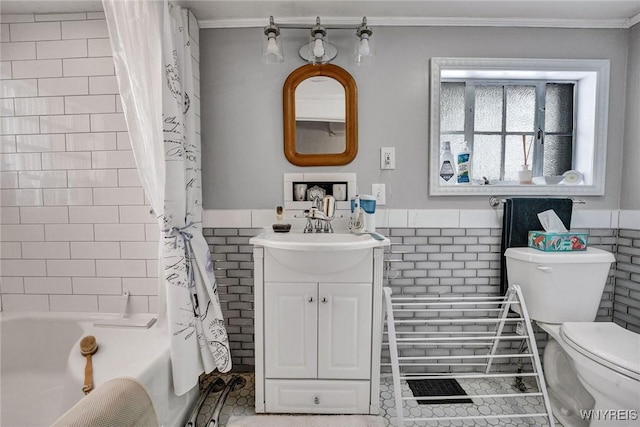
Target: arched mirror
<point>320,116</point>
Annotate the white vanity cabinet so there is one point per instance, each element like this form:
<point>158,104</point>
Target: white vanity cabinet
<point>318,330</point>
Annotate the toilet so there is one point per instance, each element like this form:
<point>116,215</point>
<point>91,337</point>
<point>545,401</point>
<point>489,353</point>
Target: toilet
<point>589,366</point>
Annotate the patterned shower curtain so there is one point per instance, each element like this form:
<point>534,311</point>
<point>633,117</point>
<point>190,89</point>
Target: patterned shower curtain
<point>193,315</point>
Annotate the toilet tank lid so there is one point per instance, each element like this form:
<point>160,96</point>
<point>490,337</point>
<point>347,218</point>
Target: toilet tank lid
<point>590,256</point>
<point>606,341</point>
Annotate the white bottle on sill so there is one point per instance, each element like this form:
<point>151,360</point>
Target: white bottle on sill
<point>447,170</point>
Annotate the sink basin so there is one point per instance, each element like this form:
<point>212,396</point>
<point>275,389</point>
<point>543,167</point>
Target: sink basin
<point>302,255</point>
<point>297,241</point>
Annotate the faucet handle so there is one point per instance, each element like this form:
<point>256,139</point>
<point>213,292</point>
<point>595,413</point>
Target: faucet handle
<point>329,206</point>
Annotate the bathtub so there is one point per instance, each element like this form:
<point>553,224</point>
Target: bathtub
<point>42,370</point>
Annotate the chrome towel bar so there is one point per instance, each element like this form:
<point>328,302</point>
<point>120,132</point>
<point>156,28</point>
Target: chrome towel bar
<point>495,201</point>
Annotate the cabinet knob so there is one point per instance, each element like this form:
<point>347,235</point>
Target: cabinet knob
<point>316,400</point>
<point>324,300</point>
<point>310,299</point>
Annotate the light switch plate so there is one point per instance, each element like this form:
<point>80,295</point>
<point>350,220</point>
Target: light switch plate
<point>379,192</point>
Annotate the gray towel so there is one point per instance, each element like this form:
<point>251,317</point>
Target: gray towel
<point>521,216</point>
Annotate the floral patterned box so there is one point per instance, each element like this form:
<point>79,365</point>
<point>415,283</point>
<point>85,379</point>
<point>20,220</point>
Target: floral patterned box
<point>558,242</point>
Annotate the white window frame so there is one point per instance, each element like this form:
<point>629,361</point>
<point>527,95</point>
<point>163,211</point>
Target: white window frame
<point>591,112</point>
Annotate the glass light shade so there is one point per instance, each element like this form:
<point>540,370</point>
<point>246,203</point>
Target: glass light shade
<point>318,48</point>
<point>363,50</point>
<point>272,49</point>
<point>318,51</point>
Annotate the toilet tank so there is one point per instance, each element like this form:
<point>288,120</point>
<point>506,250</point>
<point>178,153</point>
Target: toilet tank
<point>559,287</point>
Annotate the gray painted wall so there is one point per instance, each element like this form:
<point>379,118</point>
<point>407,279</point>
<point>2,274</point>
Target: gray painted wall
<point>630,197</point>
<point>243,158</point>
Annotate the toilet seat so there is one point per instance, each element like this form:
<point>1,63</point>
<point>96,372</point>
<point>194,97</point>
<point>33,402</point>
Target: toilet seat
<point>605,343</point>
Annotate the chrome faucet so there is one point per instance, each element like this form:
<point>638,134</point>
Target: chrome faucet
<point>320,215</point>
<point>317,203</point>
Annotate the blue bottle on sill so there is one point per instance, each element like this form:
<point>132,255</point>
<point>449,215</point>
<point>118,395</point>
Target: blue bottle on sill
<point>463,161</point>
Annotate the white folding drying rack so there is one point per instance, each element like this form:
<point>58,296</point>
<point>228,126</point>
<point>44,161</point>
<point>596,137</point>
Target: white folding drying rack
<point>417,322</point>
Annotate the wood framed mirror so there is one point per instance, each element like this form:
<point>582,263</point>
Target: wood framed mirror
<point>320,116</point>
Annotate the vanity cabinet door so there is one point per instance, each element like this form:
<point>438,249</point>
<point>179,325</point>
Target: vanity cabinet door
<point>290,330</point>
<point>344,329</point>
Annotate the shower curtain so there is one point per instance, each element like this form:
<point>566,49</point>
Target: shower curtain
<point>152,55</point>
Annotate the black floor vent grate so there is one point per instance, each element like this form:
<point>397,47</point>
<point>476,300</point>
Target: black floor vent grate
<point>438,387</point>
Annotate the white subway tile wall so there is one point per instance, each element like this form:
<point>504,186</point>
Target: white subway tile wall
<point>38,68</point>
<point>35,31</point>
<point>75,226</point>
<point>41,179</point>
<point>4,32</point>
<point>8,179</point>
<point>5,70</point>
<point>7,144</point>
<point>61,17</point>
<point>61,49</point>
<point>18,51</point>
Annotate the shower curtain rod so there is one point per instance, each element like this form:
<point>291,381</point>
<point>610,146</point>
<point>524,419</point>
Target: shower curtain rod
<point>495,201</point>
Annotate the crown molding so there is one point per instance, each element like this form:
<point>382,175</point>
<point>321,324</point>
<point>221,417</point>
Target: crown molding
<point>427,22</point>
<point>263,22</point>
<point>632,21</point>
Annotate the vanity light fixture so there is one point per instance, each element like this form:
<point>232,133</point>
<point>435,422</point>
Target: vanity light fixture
<point>272,44</point>
<point>364,48</point>
<point>318,50</point>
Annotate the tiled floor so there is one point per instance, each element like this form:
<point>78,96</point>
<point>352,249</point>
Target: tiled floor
<point>241,403</point>
<point>493,406</point>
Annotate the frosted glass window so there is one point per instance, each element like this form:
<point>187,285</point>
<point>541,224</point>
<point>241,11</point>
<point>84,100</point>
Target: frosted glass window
<point>488,108</point>
<point>521,108</point>
<point>452,107</point>
<point>514,156</point>
<point>456,141</point>
<point>494,116</point>
<point>487,155</point>
<point>557,154</point>
<point>558,115</point>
